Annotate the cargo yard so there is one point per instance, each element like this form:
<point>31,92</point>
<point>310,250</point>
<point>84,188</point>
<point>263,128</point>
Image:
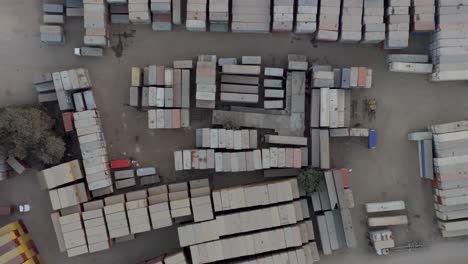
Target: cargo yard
<point>196,175</point>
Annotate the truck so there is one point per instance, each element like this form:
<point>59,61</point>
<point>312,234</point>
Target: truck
<point>89,52</point>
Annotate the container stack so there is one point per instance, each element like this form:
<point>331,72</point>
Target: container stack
<point>177,12</point>
<point>182,82</point>
<point>59,175</point>
<point>44,85</point>
<point>116,217</point>
<point>196,15</point>
<point>96,23</point>
<point>118,11</point>
<point>251,16</point>
<point>329,20</point>
<point>17,245</point>
<point>333,108</point>
<point>168,118</point>
<point>332,208</point>
<point>179,200</point>
<point>53,14</point>
<point>196,159</point>
<point>139,12</point>
<point>52,34</point>
<point>425,153</point>
<point>351,21</point>
<point>451,177</point>
<point>200,198</point>
<point>423,16</point>
<point>124,178</point>
<point>161,86</point>
<point>241,89</point>
<point>409,63</point>
<point>206,81</point>
<point>219,15</point>
<point>217,138</point>
<point>73,234</point>
<point>325,76</point>
<point>96,230</point>
<point>160,213</point>
<point>292,233</point>
<point>52,31</point>
<point>398,25</point>
<point>68,196</point>
<point>65,84</point>
<point>374,26</point>
<point>74,8</point>
<point>162,15</point>
<point>137,211</point>
<point>448,47</point>
<point>94,152</point>
<point>306,17</point>
<point>283,16</point>
<point>274,89</point>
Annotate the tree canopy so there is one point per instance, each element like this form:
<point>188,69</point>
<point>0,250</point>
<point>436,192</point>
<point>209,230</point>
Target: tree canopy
<point>27,132</point>
<point>310,180</point>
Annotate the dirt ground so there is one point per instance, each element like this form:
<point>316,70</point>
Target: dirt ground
<point>405,103</point>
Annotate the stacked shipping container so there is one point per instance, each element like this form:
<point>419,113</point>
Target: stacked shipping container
<point>351,21</point>
<point>306,16</point>
<point>138,12</point>
<point>398,24</point>
<point>251,16</point>
<point>219,15</point>
<point>206,81</point>
<point>332,207</point>
<point>162,15</point>
<point>217,138</point>
<point>374,27</point>
<point>451,184</point>
<point>94,152</point>
<point>96,23</point>
<point>448,47</point>
<point>196,15</point>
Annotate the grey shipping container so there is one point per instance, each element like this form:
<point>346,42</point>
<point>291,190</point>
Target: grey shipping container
<point>65,100</point>
<point>135,96</point>
<point>47,97</point>
<point>52,8</point>
<point>89,100</point>
<point>45,87</point>
<point>79,102</point>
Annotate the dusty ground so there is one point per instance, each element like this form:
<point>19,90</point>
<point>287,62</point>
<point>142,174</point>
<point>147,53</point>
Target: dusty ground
<point>405,103</point>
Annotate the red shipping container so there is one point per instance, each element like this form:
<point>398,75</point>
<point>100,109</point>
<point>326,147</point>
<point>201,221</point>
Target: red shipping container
<point>68,121</point>
<point>121,164</point>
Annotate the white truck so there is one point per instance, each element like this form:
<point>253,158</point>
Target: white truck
<point>89,52</point>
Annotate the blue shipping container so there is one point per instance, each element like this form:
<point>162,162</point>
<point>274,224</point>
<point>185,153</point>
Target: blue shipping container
<point>372,144</point>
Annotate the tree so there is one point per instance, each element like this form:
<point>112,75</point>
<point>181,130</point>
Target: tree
<point>310,180</point>
<point>27,132</point>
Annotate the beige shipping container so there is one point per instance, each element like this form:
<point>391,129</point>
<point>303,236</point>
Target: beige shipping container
<point>61,174</point>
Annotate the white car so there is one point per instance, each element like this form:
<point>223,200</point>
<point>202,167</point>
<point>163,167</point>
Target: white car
<point>24,208</point>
